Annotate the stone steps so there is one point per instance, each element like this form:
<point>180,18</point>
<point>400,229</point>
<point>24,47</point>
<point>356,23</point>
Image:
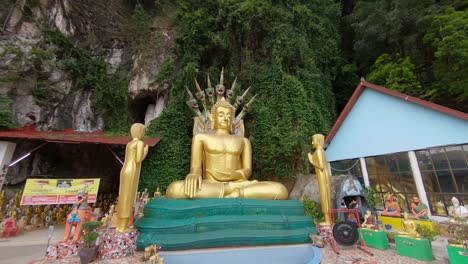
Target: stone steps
<point>203,223</point>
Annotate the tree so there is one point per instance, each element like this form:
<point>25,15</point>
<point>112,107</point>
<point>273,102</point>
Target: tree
<point>397,73</point>
<point>383,26</point>
<point>447,36</point>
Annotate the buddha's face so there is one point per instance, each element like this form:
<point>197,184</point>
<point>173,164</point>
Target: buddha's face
<point>223,118</point>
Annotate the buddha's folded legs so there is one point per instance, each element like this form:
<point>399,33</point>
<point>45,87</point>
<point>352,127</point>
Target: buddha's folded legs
<point>258,190</point>
<point>240,189</point>
<point>209,190</point>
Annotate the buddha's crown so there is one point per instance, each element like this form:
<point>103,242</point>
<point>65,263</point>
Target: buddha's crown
<point>202,116</point>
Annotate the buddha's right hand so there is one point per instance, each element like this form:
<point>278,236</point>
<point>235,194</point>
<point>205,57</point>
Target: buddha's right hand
<point>193,183</point>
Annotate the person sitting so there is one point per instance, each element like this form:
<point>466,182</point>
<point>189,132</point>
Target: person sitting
<point>419,209</point>
<point>392,208</point>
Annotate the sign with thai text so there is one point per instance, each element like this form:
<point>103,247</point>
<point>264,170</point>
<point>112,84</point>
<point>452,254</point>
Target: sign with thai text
<point>58,191</point>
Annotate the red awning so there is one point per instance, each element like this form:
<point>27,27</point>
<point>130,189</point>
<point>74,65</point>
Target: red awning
<point>69,135</point>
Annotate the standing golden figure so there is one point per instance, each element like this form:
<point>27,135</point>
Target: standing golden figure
<point>319,160</point>
<point>221,161</point>
<point>135,153</point>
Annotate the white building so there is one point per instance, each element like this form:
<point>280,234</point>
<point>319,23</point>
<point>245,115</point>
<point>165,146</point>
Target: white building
<point>402,144</point>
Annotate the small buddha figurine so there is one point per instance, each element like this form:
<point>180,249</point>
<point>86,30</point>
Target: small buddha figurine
<point>440,208</point>
<point>457,210</point>
<point>157,193</point>
<point>28,215</point>
<point>13,215</point>
<point>419,209</point>
<point>135,153</point>
<point>108,218</point>
<point>369,220</point>
<point>392,208</point>
<point>408,227</point>
<point>3,200</point>
<point>319,160</point>
<point>221,164</point>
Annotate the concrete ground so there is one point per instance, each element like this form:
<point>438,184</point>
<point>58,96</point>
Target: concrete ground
<point>28,246</point>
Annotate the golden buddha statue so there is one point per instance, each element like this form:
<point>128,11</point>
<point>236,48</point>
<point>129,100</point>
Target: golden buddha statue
<point>319,160</point>
<point>135,153</point>
<point>408,227</point>
<point>221,164</point>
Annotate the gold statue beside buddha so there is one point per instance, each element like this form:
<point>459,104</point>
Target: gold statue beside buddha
<point>135,153</point>
<point>319,160</point>
<point>221,160</point>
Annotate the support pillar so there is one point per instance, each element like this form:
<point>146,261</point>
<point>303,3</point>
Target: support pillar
<point>365,174</point>
<point>6,154</point>
<point>418,179</point>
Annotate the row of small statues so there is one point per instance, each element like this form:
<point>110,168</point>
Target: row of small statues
<point>408,225</point>
<point>419,210</point>
<point>31,216</point>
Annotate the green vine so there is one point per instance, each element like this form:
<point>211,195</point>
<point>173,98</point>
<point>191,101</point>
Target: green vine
<point>371,197</point>
<point>312,209</point>
<point>89,73</point>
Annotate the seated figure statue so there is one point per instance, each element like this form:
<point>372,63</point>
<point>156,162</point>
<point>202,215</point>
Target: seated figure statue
<point>408,228</point>
<point>392,208</point>
<point>221,164</point>
<point>419,209</point>
<point>369,220</point>
<point>457,210</point>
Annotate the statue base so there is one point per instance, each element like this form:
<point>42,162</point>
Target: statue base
<point>63,249</point>
<point>417,248</point>
<point>209,223</point>
<point>114,245</point>
<point>374,238</point>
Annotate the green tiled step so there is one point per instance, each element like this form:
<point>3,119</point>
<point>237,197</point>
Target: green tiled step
<point>179,208</point>
<point>223,238</point>
<point>221,222</point>
<point>202,223</point>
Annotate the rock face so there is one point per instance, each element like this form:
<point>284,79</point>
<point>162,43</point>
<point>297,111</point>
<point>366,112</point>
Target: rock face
<point>307,185</point>
<point>43,94</point>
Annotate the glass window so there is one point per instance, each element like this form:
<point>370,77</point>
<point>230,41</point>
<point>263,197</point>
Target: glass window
<point>440,159</point>
<point>461,179</point>
<point>424,160</point>
<point>407,180</point>
<point>446,181</point>
<point>456,157</point>
<point>430,181</point>
<point>403,162</point>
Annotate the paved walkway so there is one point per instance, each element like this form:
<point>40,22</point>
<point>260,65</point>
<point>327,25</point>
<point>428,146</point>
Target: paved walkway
<point>29,246</point>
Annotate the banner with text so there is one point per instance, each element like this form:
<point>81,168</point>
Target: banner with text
<point>58,191</point>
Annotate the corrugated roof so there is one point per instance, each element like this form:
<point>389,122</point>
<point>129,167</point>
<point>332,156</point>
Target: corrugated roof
<point>70,135</point>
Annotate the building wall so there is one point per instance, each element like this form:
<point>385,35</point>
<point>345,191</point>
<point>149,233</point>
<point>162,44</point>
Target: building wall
<point>380,123</point>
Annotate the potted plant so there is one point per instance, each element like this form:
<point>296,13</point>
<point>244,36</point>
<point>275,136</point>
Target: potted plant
<point>89,251</point>
<point>458,244</point>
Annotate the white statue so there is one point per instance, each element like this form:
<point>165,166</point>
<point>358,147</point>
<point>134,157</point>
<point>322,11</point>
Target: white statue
<point>456,209</point>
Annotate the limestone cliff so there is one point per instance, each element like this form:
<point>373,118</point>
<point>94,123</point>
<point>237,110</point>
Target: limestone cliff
<point>37,88</point>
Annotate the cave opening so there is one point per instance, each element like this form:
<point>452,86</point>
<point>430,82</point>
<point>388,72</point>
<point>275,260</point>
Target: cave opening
<point>146,108</point>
